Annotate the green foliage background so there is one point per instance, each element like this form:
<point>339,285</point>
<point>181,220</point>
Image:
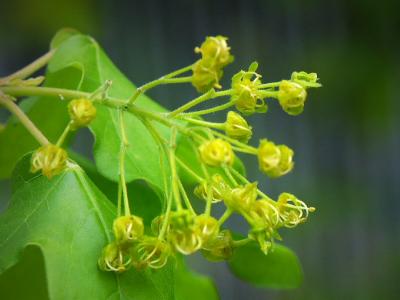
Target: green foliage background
<point>346,141</point>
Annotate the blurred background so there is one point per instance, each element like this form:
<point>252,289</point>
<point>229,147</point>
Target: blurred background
<point>346,142</point>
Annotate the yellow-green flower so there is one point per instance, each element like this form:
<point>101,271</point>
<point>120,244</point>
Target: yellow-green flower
<point>216,152</point>
<point>216,48</point>
<point>218,188</point>
<point>206,75</point>
<point>237,127</point>
<point>207,227</point>
<point>275,161</point>
<point>220,247</point>
<point>113,258</point>
<point>82,112</point>
<point>242,198</point>
<point>247,94</point>
<point>292,97</point>
<point>128,228</point>
<point>292,211</point>
<point>49,159</point>
<point>182,233</point>
<point>151,252</point>
<point>307,80</point>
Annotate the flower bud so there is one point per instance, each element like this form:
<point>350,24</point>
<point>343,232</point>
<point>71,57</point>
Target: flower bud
<point>273,160</point>
<point>114,259</point>
<point>243,197</point>
<point>269,156</point>
<point>237,128</point>
<point>216,48</point>
<point>218,189</point>
<point>81,112</point>
<point>219,248</point>
<point>50,159</point>
<point>247,95</point>
<point>306,79</point>
<point>128,229</point>
<point>291,97</point>
<point>207,227</point>
<point>216,153</point>
<point>292,211</point>
<point>206,75</point>
<point>151,252</point>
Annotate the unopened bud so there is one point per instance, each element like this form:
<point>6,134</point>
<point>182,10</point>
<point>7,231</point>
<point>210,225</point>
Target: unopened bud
<point>291,97</point>
<point>216,153</point>
<point>82,112</point>
<point>237,127</point>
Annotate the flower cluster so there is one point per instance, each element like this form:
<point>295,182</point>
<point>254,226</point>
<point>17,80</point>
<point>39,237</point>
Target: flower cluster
<point>180,229</point>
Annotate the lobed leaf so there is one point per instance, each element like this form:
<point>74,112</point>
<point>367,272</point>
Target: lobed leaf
<point>69,220</point>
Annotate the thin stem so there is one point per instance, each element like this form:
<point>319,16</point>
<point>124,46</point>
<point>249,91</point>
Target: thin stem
<point>249,149</point>
<point>228,212</point>
<point>185,197</point>
<point>33,130</point>
<point>207,211</point>
<point>166,216</point>
<point>20,91</point>
<point>124,144</point>
<point>245,180</point>
<point>210,110</point>
<point>174,174</point>
<point>269,85</point>
<point>166,79</point>
<point>220,126</point>
<point>61,139</point>
<point>229,175</point>
<point>119,206</point>
<point>241,242</point>
<point>211,94</point>
<point>31,68</point>
<point>189,170</point>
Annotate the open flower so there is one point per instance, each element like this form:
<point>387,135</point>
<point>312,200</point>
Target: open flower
<point>113,258</point>
<point>128,229</point>
<point>248,96</point>
<point>218,188</point>
<point>216,152</point>
<point>292,211</point>
<point>50,159</point>
<point>151,252</point>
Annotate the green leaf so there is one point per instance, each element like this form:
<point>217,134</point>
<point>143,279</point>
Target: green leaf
<point>69,220</point>
<point>193,286</point>
<point>15,140</point>
<point>143,155</point>
<point>61,36</point>
<point>280,269</point>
